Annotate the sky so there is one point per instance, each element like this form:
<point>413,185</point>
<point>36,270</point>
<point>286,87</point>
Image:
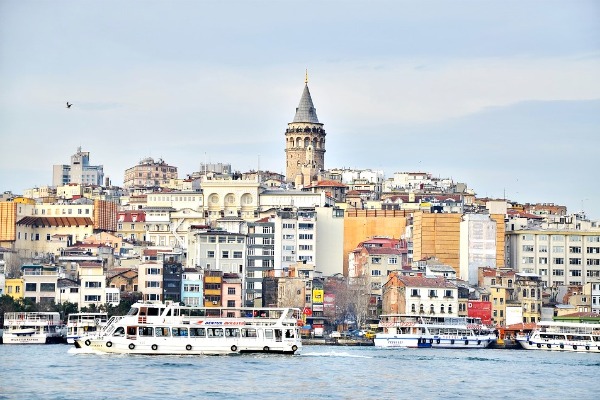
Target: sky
<point>501,95</point>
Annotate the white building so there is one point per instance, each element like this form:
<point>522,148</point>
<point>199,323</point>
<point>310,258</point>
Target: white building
<point>78,171</point>
<point>477,245</point>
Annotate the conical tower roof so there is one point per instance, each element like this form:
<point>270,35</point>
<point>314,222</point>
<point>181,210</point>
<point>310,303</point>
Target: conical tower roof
<point>306,111</point>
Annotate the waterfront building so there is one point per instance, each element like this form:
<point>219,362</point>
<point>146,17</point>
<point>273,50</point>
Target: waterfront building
<point>192,285</point>
<point>149,174</point>
<point>150,278</point>
<point>261,258</point>
<point>419,295</point>
<point>231,291</point>
<point>172,268</point>
<point>14,287</point>
<point>78,171</point>
<point>561,250</point>
<point>40,282</point>
<point>304,143</point>
<point>477,245</point>
<point>593,291</point>
<point>93,284</point>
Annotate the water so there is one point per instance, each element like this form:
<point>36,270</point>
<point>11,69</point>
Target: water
<point>320,372</point>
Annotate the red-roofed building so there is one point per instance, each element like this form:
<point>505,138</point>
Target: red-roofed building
<point>331,188</point>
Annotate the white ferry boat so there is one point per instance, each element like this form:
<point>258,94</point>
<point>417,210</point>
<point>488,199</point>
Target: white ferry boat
<point>33,328</point>
<point>79,324</point>
<point>563,336</point>
<point>157,328</point>
<point>401,330</point>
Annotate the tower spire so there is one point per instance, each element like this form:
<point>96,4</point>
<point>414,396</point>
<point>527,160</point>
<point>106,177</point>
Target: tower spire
<point>306,77</point>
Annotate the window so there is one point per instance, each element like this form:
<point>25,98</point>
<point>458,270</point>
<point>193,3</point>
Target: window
<point>47,287</point>
<point>230,303</point>
<point>413,308</point>
<point>432,293</point>
<point>237,254</point>
<point>543,260</point>
<point>593,261</point>
<point>393,260</point>
<point>558,261</point>
<point>376,260</point>
<point>527,237</point>
<point>527,247</point>
<point>527,260</point>
<point>93,284</point>
<point>92,298</point>
<point>575,272</point>
<point>448,294</point>
<point>191,287</point>
<point>575,238</point>
<point>152,284</point>
<point>442,309</point>
<point>431,309</point>
<point>414,292</point>
<point>305,236</point>
<point>375,272</point>
<point>558,272</point>
<point>289,226</point>
<point>543,248</point>
<point>574,249</point>
<point>231,290</point>
<point>225,254</point>
<point>558,249</point>
<point>152,271</point>
<point>304,226</point>
<point>31,287</point>
<point>288,237</point>
<point>593,250</point>
<point>558,238</point>
<point>574,261</point>
<point>305,247</point>
<point>210,254</point>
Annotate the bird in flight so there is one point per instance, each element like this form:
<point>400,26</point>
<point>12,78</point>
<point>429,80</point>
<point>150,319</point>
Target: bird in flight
<point>69,105</point>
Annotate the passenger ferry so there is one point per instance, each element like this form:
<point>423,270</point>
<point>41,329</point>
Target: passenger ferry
<point>33,328</point>
<point>563,336</point>
<point>79,324</point>
<point>170,328</point>
<point>402,330</point>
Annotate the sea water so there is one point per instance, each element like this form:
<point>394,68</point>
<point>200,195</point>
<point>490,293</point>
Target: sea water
<point>319,372</point>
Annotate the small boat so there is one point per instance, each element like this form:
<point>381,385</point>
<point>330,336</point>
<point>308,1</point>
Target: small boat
<point>170,328</point>
<point>79,324</point>
<point>563,336</point>
<point>33,328</point>
<point>414,331</point>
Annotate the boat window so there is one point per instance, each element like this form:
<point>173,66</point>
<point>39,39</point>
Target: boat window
<point>214,332</point>
<point>197,332</point>
<point>232,332</point>
<point>168,314</point>
<point>145,331</point>
<point>120,331</point>
<point>133,311</point>
<point>161,331</point>
<point>289,333</point>
<point>268,333</point>
<point>179,332</point>
<point>131,330</point>
<point>153,311</point>
<point>250,332</point>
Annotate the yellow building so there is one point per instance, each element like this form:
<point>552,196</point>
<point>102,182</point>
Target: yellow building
<point>13,287</point>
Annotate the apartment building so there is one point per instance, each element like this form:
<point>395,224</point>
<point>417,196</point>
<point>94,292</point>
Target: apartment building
<point>149,173</point>
<point>78,171</point>
<point>559,257</point>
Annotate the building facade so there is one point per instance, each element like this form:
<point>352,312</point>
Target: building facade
<point>78,171</point>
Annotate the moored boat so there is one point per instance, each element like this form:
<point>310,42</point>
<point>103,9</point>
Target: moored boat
<point>401,330</point>
<point>170,328</point>
<point>563,336</point>
<point>33,328</point>
<point>79,324</point>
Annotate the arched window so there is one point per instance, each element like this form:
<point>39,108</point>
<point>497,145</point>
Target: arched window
<point>413,308</point>
<point>524,292</point>
<point>442,309</point>
<point>449,308</point>
<point>431,309</point>
<point>421,309</point>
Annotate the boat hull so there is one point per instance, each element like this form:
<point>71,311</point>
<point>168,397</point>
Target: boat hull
<point>171,346</point>
<point>436,342</point>
<point>579,347</point>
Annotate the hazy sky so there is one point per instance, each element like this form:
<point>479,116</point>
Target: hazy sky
<point>501,95</point>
